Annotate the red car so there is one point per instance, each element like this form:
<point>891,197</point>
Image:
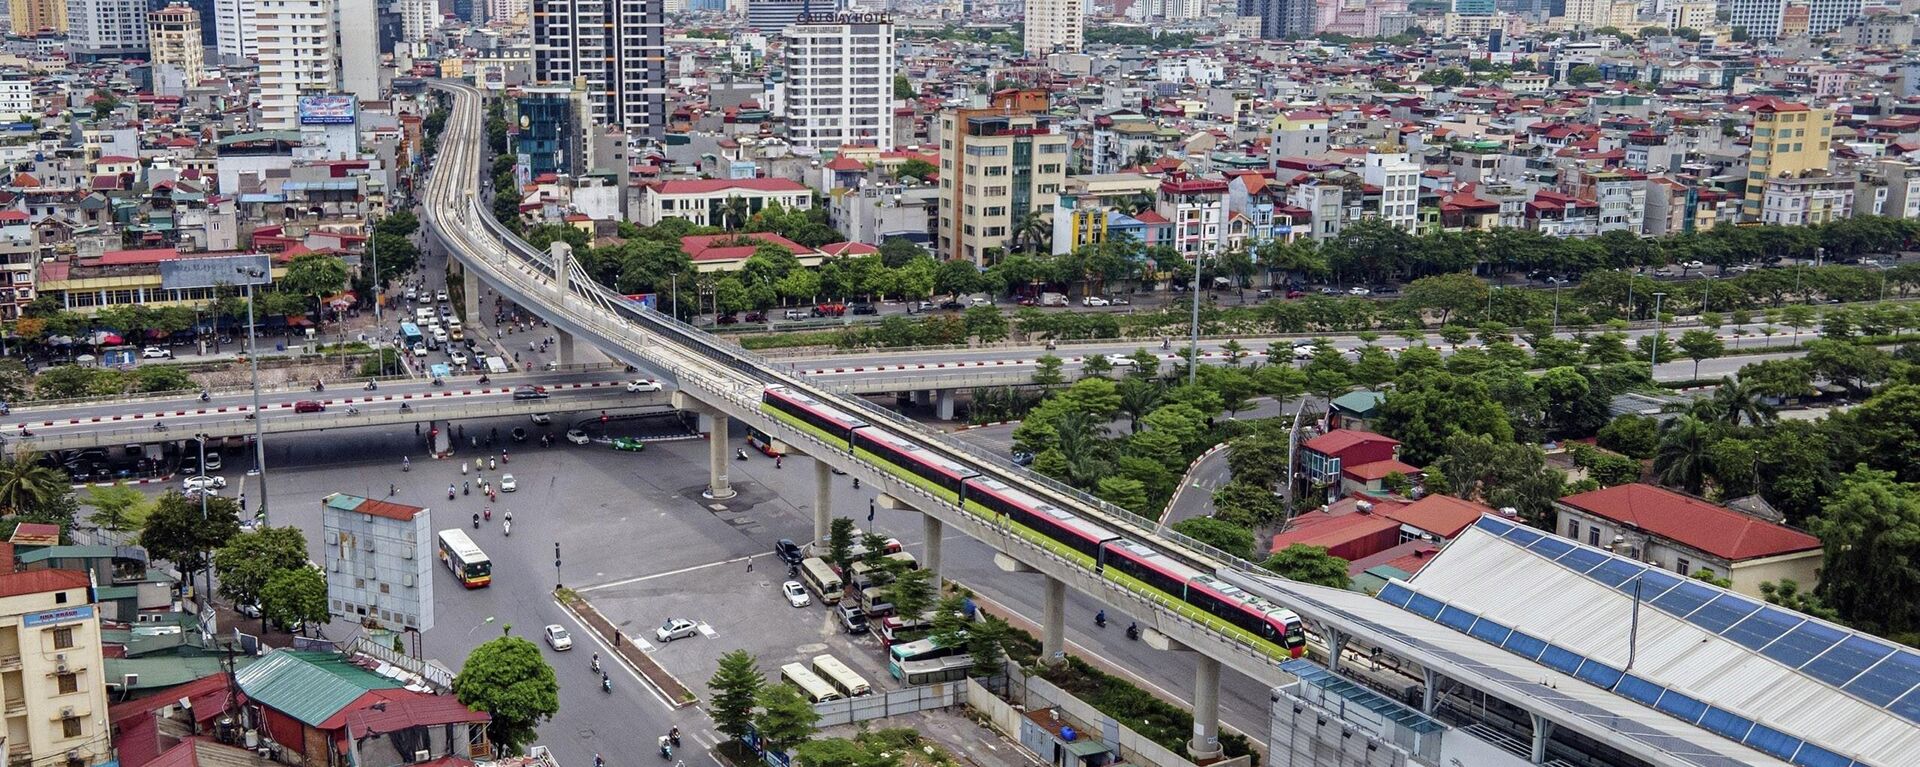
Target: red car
<point>308,406</point>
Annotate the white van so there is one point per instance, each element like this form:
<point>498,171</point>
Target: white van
<point>423,315</point>
<point>496,365</point>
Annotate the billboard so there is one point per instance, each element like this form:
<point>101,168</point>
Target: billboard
<point>327,109</point>
<point>185,273</point>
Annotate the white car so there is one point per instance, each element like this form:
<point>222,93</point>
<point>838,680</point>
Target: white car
<point>419,350</point>
<point>1303,351</point>
<point>558,638</point>
<point>458,358</point>
<point>979,301</point>
<point>675,628</point>
<point>542,418</point>
<point>1094,301</point>
<point>638,385</point>
<point>440,296</point>
<point>508,484</point>
<point>1358,291</point>
<point>203,482</point>
<point>155,353</point>
<point>577,437</point>
<point>1120,360</point>
<point>412,294</point>
<point>796,594</point>
<point>1694,265</point>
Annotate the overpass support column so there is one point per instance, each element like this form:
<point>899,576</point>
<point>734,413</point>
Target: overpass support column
<point>1053,638</point>
<point>562,254</point>
<point>943,404</point>
<point>1542,732</point>
<point>470,295</point>
<point>932,529</point>
<point>1428,695</point>
<point>1336,642</point>
<point>717,486</point>
<point>822,503</point>
<point>1205,744</point>
<point>565,342</point>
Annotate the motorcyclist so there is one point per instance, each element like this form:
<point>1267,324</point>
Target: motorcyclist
<point>205,395</point>
<point>1100,619</point>
<point>596,663</point>
<point>476,521</point>
<point>406,464</point>
<point>1133,630</point>
<point>450,491</point>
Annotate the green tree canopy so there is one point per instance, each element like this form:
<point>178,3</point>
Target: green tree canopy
<point>1310,564</point>
<point>507,678</point>
<point>1871,530</point>
<point>249,560</point>
<point>1225,536</point>
<point>736,689</point>
<point>295,597</point>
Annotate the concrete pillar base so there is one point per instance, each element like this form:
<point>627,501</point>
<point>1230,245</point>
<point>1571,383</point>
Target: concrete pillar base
<point>943,404</point>
<point>932,530</point>
<point>1008,564</point>
<point>1053,633</point>
<point>470,298</point>
<point>564,341</point>
<point>822,503</point>
<point>1205,744</point>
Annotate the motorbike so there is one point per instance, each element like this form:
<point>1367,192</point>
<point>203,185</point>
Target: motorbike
<point>406,464</point>
<point>503,459</point>
<point>372,386</point>
<point>450,492</point>
<point>205,396</point>
<point>319,386</point>
<point>606,682</point>
<point>437,381</point>
<point>406,408</point>
<point>488,513</point>
<point>673,736</point>
<point>466,488</point>
<point>484,379</point>
<point>159,427</point>
<point>596,663</point>
<point>666,749</point>
<point>476,521</point>
<point>491,465</point>
<point>740,454</point>
<point>1133,631</point>
<point>506,527</point>
<point>353,410</point>
<point>1100,619</point>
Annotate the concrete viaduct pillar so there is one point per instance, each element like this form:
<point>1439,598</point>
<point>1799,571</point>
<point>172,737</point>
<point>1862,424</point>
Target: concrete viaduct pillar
<point>718,487</point>
<point>562,266</point>
<point>564,341</point>
<point>1053,639</point>
<point>943,404</point>
<point>1206,709</point>
<point>470,296</point>
<point>933,530</point>
<point>822,503</point>
<point>1542,732</point>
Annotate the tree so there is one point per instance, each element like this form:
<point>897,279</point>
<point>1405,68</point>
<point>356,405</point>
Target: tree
<point>175,531</point>
<point>1632,435</point>
<point>1890,437</point>
<point>987,643</point>
<point>1787,594</point>
<point>117,505</point>
<point>507,678</point>
<point>911,593</point>
<point>1247,504</point>
<point>1700,344</point>
<point>1870,528</point>
<point>950,622</point>
<point>1448,294</point>
<point>736,687</point>
<point>1096,365</point>
<point>1682,457</point>
<point>1126,492</point>
<point>840,542</point>
<point>902,88</point>
<point>314,275</point>
<point>785,718</point>
<point>1428,407</point>
<point>250,560</point>
<point>295,597</point>
<point>986,323</point>
<point>1310,564</point>
<point>1046,371</point>
<point>1582,74</point>
<point>1225,536</point>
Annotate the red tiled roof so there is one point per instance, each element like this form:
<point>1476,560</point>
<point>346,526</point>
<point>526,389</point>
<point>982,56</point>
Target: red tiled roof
<point>848,249</point>
<point>712,185</point>
<point>35,534</point>
<point>388,509</point>
<point>1442,515</point>
<point>1717,530</point>
<point>1338,440</point>
<point>1407,557</point>
<point>844,162</point>
<point>41,581</point>
<point>1368,472</point>
<point>1333,530</point>
<point>723,247</point>
<point>389,710</point>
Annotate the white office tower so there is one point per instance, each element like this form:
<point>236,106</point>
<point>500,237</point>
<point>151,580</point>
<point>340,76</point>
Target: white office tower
<point>1399,181</point>
<point>358,22</point>
<point>1761,18</point>
<point>840,81</point>
<point>298,57</point>
<point>419,19</point>
<point>234,30</point>
<point>513,12</point>
<point>1055,26</point>
<point>1824,16</point>
<point>616,49</point>
<point>106,29</point>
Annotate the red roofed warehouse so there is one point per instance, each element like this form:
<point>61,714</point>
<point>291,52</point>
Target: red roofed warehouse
<point>705,201</point>
<point>1323,458</point>
<point>1687,535</point>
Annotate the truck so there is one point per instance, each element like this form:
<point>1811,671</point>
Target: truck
<point>1053,299</point>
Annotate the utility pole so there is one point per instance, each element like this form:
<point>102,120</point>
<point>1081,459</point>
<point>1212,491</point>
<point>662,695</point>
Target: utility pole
<point>1656,328</point>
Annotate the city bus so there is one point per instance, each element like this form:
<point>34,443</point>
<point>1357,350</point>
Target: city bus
<point>464,559</point>
<point>810,684</point>
<point>821,577</point>
<point>898,656</point>
<point>952,668</point>
<point>410,335</point>
<point>842,678</point>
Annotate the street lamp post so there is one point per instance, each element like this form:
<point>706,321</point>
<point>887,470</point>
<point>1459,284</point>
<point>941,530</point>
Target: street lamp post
<point>1193,348</point>
<point>206,598</point>
<point>253,371</point>
<point>1657,296</point>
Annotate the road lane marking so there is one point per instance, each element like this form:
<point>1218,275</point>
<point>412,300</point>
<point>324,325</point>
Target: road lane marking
<point>618,659</point>
<point>638,579</point>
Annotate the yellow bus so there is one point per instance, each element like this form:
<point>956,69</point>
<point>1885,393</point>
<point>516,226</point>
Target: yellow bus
<point>464,559</point>
<point>821,577</point>
<point>810,684</point>
<point>843,679</point>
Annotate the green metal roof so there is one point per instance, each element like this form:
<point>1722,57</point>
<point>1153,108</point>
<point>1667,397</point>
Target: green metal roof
<point>167,671</point>
<point>307,685</point>
<point>66,552</point>
<point>1359,401</point>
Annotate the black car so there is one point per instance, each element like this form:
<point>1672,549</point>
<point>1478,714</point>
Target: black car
<point>863,309</point>
<point>530,392</point>
<point>788,551</point>
<point>952,304</point>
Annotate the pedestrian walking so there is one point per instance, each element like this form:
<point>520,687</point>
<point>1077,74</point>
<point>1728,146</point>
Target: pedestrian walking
<point>243,501</point>
<point>776,461</point>
<point>749,564</point>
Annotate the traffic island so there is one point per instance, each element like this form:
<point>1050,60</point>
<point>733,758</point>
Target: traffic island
<point>655,676</point>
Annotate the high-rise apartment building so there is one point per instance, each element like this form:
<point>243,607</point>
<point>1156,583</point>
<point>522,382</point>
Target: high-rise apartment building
<point>840,80</point>
<point>357,26</point>
<point>31,17</point>
<point>418,19</point>
<point>1789,139</point>
<point>299,56</point>
<point>1055,26</point>
<point>236,31</point>
<point>1474,7</point>
<point>997,165</point>
<point>173,37</point>
<point>510,12</point>
<point>107,29</point>
<point>1398,179</point>
<point>1824,16</point>
<point>617,47</point>
<point>771,17</point>
<point>1761,18</point>
<point>1280,19</point>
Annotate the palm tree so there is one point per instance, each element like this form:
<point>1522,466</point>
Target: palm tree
<point>735,212</point>
<point>1081,443</point>
<point>1033,230</point>
<point>1137,399</point>
<point>1735,401</point>
<point>27,484</point>
<point>1681,459</point>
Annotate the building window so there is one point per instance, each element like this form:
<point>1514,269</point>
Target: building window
<point>70,727</point>
<point>1593,535</point>
<point>1684,566</point>
<point>1573,529</point>
<point>69,683</point>
<point>62,637</point>
<point>60,597</point>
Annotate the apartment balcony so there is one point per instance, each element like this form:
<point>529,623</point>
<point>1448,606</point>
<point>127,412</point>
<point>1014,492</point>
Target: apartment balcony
<point>9,663</point>
<point>16,707</point>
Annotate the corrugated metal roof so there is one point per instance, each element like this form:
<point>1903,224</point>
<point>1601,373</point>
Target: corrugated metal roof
<point>1499,580</point>
<point>306,685</point>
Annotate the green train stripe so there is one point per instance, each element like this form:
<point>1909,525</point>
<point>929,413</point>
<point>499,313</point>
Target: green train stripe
<point>839,441</point>
<point>921,482</point>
